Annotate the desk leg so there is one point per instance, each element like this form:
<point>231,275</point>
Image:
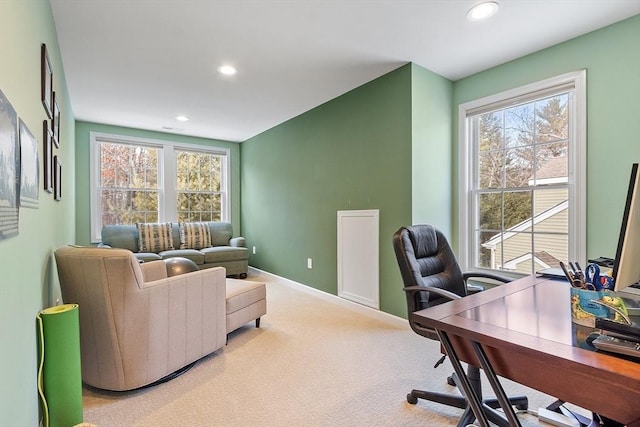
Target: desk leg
<point>496,386</point>
<point>470,394</point>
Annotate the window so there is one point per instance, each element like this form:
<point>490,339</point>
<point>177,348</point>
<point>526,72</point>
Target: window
<point>198,189</point>
<point>522,176</point>
<point>138,180</point>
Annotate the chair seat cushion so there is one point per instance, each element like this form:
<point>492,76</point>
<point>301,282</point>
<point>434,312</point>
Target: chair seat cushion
<point>243,293</point>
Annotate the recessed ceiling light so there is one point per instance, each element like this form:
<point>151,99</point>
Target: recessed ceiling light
<point>182,118</point>
<point>227,70</point>
<point>482,11</point>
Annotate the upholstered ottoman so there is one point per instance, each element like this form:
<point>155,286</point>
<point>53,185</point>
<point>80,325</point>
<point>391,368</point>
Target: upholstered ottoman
<point>246,301</point>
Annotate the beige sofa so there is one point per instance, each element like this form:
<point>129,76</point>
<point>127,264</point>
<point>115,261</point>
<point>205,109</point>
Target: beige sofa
<point>136,324</point>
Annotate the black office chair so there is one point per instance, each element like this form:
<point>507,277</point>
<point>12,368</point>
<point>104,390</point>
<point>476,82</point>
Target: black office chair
<point>426,261</point>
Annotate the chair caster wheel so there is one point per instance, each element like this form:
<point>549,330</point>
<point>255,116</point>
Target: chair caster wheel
<point>523,406</point>
<point>412,399</point>
<point>450,381</point>
<point>243,275</point>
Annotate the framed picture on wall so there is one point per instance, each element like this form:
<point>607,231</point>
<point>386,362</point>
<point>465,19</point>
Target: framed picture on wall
<point>47,169</point>
<point>57,178</point>
<point>46,81</point>
<point>55,122</point>
<point>9,169</point>
<point>29,169</point>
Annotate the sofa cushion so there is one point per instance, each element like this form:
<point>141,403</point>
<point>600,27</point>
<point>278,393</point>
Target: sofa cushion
<point>194,235</point>
<point>192,254</point>
<point>221,233</point>
<point>154,237</point>
<point>224,253</point>
<point>122,236</point>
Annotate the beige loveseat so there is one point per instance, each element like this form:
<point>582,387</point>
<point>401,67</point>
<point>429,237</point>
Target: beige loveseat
<point>218,248</point>
<point>136,324</point>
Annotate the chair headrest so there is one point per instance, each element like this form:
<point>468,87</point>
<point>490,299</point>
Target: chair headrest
<point>423,239</point>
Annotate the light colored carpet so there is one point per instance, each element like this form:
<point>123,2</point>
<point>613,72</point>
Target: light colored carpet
<point>315,361</point>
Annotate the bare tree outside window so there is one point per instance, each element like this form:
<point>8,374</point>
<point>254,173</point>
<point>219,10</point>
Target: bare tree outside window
<point>522,180</point>
<point>128,183</point>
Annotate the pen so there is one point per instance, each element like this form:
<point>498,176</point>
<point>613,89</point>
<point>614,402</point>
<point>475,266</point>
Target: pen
<point>577,273</point>
<point>580,272</point>
<point>566,272</point>
<point>573,268</point>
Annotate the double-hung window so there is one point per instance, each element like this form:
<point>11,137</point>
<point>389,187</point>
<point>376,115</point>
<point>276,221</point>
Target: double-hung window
<point>140,180</point>
<point>522,177</point>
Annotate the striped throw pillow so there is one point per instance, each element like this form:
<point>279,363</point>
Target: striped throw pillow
<point>154,236</point>
<point>194,235</point>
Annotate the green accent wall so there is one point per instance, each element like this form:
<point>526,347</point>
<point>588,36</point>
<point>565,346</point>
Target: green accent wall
<point>83,206</point>
<point>354,152</point>
<point>611,57</point>
<point>26,262</point>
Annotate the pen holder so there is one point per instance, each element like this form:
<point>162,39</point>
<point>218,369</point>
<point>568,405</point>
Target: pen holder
<point>587,305</point>
<point>583,310</point>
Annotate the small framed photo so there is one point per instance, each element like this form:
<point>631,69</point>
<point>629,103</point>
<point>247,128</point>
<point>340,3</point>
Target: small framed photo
<point>47,140</point>
<point>57,178</point>
<point>46,81</point>
<point>55,122</point>
<point>29,169</point>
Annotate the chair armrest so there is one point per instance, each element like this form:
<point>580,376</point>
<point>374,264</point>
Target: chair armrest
<point>474,289</point>
<point>481,274</point>
<point>154,270</point>
<point>237,242</point>
<point>208,275</point>
<point>440,292</point>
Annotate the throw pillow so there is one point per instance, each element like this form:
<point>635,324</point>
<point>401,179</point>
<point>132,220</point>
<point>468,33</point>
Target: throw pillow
<point>154,236</point>
<point>194,235</point>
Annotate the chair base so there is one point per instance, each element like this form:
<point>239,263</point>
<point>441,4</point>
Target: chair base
<point>488,405</point>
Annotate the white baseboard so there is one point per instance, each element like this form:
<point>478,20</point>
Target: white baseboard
<point>381,315</point>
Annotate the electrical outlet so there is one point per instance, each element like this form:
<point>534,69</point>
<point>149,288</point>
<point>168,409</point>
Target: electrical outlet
<point>254,250</point>
<point>309,263</point>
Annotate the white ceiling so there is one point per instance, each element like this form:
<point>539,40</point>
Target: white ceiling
<point>141,63</point>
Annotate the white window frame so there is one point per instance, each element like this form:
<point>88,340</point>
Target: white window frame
<point>577,182</point>
<point>166,175</point>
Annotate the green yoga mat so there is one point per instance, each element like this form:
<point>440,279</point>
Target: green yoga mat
<point>59,376</point>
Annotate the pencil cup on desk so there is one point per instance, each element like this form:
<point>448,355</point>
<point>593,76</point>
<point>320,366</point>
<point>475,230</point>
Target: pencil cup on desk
<point>583,308</point>
<point>587,305</point>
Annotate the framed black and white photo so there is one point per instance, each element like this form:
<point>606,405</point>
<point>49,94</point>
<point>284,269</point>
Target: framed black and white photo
<point>29,169</point>
<point>55,122</point>
<point>47,169</point>
<point>46,81</point>
<point>57,178</point>
<point>9,169</point>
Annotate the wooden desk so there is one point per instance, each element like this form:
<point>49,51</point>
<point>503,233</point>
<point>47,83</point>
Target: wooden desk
<point>525,330</point>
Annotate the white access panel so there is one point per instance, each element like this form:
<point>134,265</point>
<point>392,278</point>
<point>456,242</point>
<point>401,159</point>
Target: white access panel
<point>358,260</point>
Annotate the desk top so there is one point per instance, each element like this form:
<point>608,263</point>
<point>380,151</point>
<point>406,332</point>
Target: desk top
<point>525,327</point>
